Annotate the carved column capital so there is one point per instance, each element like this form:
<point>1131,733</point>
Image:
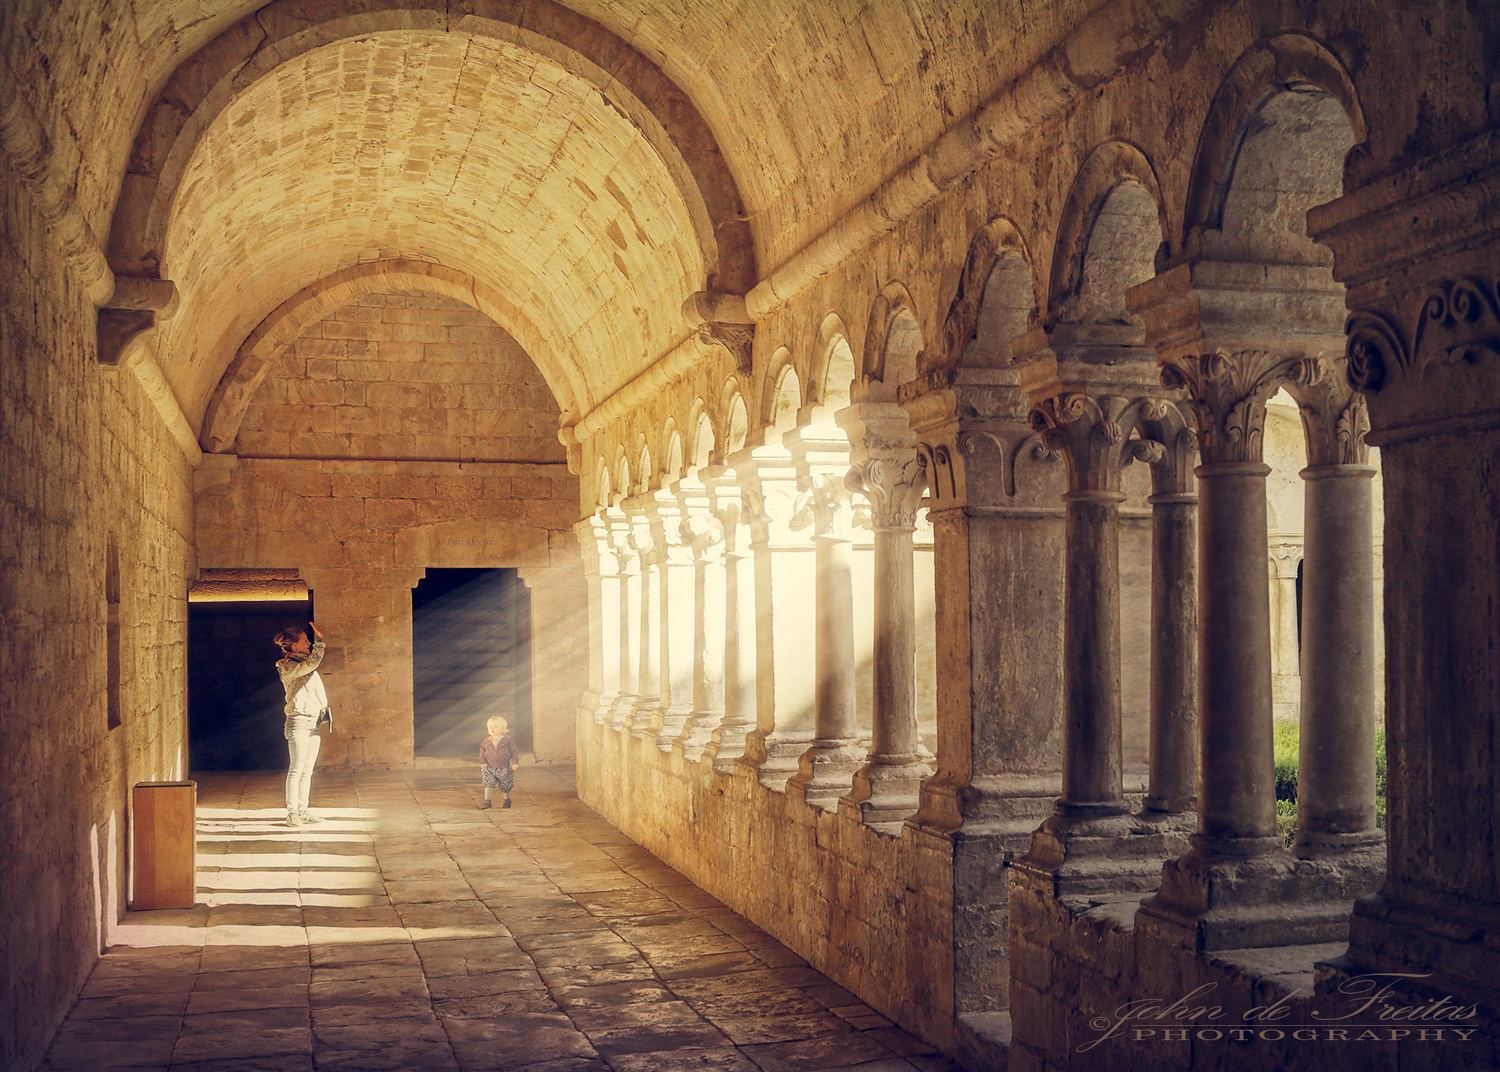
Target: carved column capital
<point>1100,434</point>
<point>894,482</point>
<point>1334,416</point>
<point>1227,393</point>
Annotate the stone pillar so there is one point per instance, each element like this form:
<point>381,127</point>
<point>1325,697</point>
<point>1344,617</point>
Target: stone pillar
<point>826,769</point>
<point>727,744</point>
<point>891,474</point>
<point>1336,765</point>
<point>1173,789</point>
<point>785,621</point>
<point>366,616</point>
<point>632,579</point>
<point>1424,348</point>
<point>559,633</point>
<point>647,539</point>
<point>678,579</point>
<point>705,535</point>
<point>994,494</point>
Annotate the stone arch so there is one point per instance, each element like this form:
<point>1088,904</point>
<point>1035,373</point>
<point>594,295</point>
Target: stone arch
<point>672,452</point>
<point>703,439</point>
<point>203,85</point>
<point>258,353</point>
<point>736,418</point>
<point>783,393</point>
<point>622,476</point>
<point>645,474</point>
<point>893,344</point>
<point>1113,213</point>
<point>996,301</point>
<point>831,377</point>
<point>1282,62</point>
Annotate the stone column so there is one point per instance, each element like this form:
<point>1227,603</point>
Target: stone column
<point>1336,765</point>
<point>890,473</point>
<point>705,535</point>
<point>628,562</point>
<point>366,615</point>
<point>727,744</point>
<point>646,538</point>
<point>826,769</point>
<point>785,582</point>
<point>678,573</point>
<point>1173,789</point>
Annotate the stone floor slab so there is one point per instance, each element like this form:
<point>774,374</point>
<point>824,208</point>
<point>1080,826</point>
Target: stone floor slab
<point>422,935</point>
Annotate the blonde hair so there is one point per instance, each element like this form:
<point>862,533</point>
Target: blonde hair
<point>497,725</point>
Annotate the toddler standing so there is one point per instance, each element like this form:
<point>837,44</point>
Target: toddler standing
<point>498,760</point>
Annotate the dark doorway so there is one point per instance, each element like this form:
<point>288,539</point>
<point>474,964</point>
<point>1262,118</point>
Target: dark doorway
<point>471,658</point>
<point>235,700</point>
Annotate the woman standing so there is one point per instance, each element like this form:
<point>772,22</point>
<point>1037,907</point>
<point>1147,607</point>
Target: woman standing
<point>306,707</point>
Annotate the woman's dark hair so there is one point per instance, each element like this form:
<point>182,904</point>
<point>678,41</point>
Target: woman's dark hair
<point>287,637</point>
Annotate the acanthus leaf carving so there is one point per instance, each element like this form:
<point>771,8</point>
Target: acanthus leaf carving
<point>1227,395</point>
<point>894,484</point>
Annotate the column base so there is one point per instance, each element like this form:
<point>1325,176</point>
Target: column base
<point>783,753</point>
<point>1240,893</point>
<point>666,728</point>
<point>1098,850</point>
<point>1449,941</point>
<point>643,714</point>
<point>726,746</point>
<point>619,710</point>
<point>887,789</point>
<point>1360,857</point>
<point>825,771</point>
<point>696,733</point>
<point>1004,803</point>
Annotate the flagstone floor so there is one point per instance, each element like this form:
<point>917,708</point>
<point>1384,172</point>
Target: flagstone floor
<point>411,931</point>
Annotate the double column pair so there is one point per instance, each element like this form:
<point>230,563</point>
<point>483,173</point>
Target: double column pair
<point>1096,402</point>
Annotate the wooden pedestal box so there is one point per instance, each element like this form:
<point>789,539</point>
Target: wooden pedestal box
<point>165,842</point>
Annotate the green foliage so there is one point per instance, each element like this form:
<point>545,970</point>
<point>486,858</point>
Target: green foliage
<point>1285,752</point>
<point>1286,821</point>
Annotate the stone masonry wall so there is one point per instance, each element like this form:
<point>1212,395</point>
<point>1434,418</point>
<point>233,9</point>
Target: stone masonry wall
<point>361,533</point>
<point>872,911</point>
<point>403,375</point>
<point>85,464</point>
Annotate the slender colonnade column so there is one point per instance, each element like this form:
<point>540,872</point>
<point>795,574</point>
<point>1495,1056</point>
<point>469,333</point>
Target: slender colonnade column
<point>826,769</point>
<point>1336,770</point>
<point>727,744</point>
<point>706,537</point>
<point>888,470</point>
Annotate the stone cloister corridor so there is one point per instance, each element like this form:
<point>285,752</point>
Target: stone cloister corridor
<point>998,506</point>
<point>412,932</point>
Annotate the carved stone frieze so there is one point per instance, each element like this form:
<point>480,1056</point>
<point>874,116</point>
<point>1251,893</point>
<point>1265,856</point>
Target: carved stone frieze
<point>1227,394</point>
